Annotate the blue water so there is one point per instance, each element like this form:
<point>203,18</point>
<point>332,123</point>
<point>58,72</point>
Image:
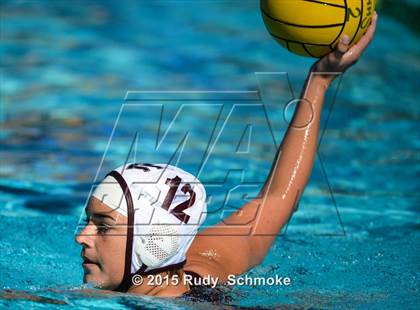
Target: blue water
<point>66,68</point>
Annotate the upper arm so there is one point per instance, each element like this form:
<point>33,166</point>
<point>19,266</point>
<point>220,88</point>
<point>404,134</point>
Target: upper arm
<point>239,242</point>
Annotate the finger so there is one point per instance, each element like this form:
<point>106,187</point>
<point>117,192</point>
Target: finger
<point>342,46</point>
<point>364,42</point>
<point>367,38</point>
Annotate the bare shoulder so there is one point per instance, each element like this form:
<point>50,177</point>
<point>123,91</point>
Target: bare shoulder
<point>215,253</point>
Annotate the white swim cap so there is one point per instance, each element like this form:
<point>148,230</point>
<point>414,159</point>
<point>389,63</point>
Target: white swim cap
<point>164,205</point>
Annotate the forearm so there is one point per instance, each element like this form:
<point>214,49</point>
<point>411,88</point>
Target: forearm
<point>294,160</point>
<point>293,164</point>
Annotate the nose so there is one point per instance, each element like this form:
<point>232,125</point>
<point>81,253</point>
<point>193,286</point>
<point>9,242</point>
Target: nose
<point>86,235</point>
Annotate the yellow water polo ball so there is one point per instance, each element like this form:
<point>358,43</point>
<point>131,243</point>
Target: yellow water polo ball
<point>314,27</point>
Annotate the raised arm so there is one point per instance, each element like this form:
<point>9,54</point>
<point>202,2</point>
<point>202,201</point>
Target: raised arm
<point>235,251</point>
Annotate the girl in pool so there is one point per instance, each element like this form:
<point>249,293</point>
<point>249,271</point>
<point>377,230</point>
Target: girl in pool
<point>142,234</point>
<point>142,220</point>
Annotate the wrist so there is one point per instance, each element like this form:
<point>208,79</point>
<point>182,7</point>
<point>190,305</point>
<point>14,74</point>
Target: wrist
<point>320,80</point>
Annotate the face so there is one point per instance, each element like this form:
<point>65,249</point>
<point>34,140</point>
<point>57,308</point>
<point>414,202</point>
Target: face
<point>103,245</point>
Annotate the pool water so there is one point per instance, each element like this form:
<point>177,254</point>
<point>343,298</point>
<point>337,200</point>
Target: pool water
<point>66,68</point>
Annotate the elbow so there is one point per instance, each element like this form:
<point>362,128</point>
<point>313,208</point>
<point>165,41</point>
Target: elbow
<point>256,261</point>
<point>257,254</point>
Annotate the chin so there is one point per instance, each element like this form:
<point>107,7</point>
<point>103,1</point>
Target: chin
<point>91,278</point>
<point>96,281</point>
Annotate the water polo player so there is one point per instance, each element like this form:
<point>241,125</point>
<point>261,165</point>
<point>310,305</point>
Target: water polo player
<point>143,219</point>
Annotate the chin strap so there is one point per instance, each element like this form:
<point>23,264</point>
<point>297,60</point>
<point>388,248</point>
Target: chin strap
<point>126,282</point>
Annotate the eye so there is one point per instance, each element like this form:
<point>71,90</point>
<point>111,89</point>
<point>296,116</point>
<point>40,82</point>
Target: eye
<point>102,228</point>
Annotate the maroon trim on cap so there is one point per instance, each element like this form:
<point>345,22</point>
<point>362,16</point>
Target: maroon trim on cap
<point>126,281</point>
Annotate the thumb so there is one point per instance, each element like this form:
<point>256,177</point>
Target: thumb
<point>342,46</point>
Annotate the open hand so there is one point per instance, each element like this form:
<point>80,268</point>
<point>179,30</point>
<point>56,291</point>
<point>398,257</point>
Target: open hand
<point>342,57</point>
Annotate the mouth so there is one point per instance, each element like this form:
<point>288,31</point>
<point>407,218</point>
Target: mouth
<point>88,262</point>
